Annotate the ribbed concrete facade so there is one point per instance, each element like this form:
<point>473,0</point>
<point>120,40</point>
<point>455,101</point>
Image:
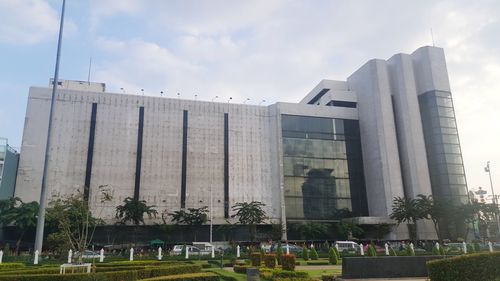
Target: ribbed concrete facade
<point>172,152</point>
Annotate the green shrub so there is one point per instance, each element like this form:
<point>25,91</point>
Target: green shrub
<point>294,279</point>
<point>483,266</point>
<point>241,268</point>
<point>336,252</point>
<point>139,262</point>
<point>255,257</point>
<point>279,253</point>
<point>332,256</point>
<point>371,251</point>
<point>202,276</point>
<point>31,271</point>
<point>314,254</point>
<point>477,248</point>
<point>470,249</point>
<point>266,275</point>
<point>329,277</point>
<point>392,252</point>
<point>318,262</point>
<point>270,260</point>
<point>408,251</point>
<point>150,272</point>
<point>305,254</point>
<point>435,251</point>
<point>9,265</point>
<point>130,275</point>
<point>278,273</point>
<point>442,252</point>
<point>288,262</point>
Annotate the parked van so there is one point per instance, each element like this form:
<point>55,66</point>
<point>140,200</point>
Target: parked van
<point>347,245</point>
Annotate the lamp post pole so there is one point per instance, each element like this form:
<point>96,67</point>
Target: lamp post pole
<point>211,214</point>
<point>495,201</point>
<point>43,202</point>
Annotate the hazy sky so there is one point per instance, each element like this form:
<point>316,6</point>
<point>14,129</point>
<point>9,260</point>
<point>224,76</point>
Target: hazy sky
<point>264,49</point>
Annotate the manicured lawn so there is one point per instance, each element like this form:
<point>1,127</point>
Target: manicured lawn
<point>318,272</point>
<point>239,277</point>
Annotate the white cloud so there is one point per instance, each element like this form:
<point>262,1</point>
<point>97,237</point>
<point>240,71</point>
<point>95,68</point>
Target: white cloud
<point>27,21</point>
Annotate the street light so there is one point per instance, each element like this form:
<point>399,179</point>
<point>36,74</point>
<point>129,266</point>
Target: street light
<point>495,201</point>
<point>246,100</point>
<point>229,100</point>
<point>262,102</point>
<point>161,93</point>
<point>214,98</point>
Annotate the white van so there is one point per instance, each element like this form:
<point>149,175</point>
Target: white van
<point>347,245</point>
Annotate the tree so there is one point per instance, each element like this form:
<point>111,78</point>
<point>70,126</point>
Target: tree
<point>133,210</point>
<point>22,215</point>
<point>250,214</point>
<point>434,209</point>
<point>311,230</point>
<point>193,217</point>
<point>345,230</point>
<point>406,210</point>
<point>74,220</point>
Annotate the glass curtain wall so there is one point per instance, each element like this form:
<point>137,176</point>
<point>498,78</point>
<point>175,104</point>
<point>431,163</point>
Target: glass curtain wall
<point>323,169</point>
<point>442,144</point>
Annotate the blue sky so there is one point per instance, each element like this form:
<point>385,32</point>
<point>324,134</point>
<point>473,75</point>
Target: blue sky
<point>275,50</point>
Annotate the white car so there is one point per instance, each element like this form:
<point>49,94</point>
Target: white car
<point>177,250</point>
<point>347,245</point>
<point>87,255</point>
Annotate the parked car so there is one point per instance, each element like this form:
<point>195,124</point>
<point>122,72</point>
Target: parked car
<point>177,250</point>
<point>294,249</point>
<point>378,249</point>
<point>87,255</point>
<point>347,246</point>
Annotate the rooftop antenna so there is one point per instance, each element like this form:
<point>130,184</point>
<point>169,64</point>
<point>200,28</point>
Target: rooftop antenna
<point>161,93</point>
<point>214,98</point>
<point>432,37</point>
<point>90,68</point>
<point>246,100</point>
<point>142,90</point>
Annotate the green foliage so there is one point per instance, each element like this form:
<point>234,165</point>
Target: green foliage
<point>288,262</point>
<point>278,273</point>
<point>311,230</point>
<point>279,253</point>
<point>442,252</point>
<point>345,229</point>
<point>470,249</point>
<point>483,266</point>
<point>150,272</point>
<point>318,263</point>
<point>22,215</point>
<point>435,251</point>
<point>329,277</point>
<point>408,251</point>
<point>314,254</point>
<point>332,256</point>
<point>250,214</point>
<point>241,268</point>
<point>203,276</point>
<point>407,210</point>
<point>11,265</point>
<point>392,253</point>
<point>130,275</point>
<point>133,210</point>
<point>371,251</point>
<point>305,253</point>
<point>337,253</point>
<point>255,258</point>
<point>270,260</point>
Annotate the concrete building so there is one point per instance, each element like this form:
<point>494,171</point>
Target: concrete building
<point>343,152</point>
<point>9,159</point>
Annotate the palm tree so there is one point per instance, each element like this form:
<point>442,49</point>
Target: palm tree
<point>194,217</point>
<point>22,215</point>
<point>250,214</point>
<point>407,210</point>
<point>133,210</point>
<point>434,209</point>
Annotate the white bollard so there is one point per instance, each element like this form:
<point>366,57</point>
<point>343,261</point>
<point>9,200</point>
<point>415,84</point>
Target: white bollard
<point>287,249</point>
<point>489,246</point>
<point>337,247</point>
<point>312,246</point>
<point>187,252</point>
<point>386,249</point>
<point>238,251</point>
<point>101,255</point>
<point>465,247</point>
<point>70,255</point>
<point>159,254</point>
<point>361,250</point>
<point>36,257</point>
<point>213,252</point>
<point>437,246</point>
<point>1,256</point>
<point>131,258</point>
<point>412,248</point>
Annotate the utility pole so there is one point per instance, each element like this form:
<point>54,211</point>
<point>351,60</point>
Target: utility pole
<point>43,201</point>
<point>495,201</point>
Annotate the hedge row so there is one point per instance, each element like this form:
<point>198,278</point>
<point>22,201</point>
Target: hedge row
<point>204,276</point>
<point>124,275</point>
<point>484,267</point>
<point>318,263</point>
<point>241,268</point>
<point>10,265</point>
